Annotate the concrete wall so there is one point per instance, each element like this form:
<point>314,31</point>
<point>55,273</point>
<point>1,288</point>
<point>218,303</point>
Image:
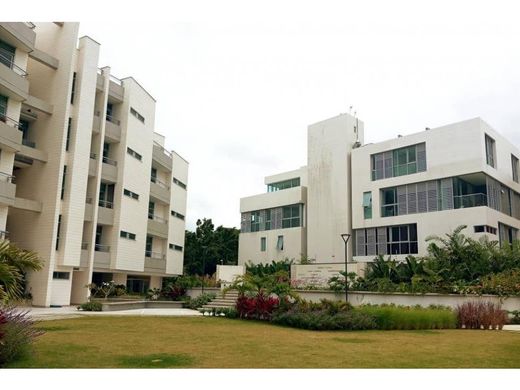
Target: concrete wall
<point>228,273</point>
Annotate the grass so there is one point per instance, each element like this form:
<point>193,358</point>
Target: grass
<point>204,342</point>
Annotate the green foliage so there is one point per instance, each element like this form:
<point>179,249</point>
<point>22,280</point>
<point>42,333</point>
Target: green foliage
<point>269,269</point>
<point>201,300</point>
<point>277,283</point>
<point>515,319</point>
<point>14,264</point>
<point>400,317</point>
<point>153,294</point>
<point>212,245</point>
<point>106,289</point>
<point>91,306</point>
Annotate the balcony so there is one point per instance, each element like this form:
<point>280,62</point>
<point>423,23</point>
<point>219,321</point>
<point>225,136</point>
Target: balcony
<point>96,123</point>
<point>109,169</point>
<point>159,191</point>
<point>83,260</point>
<point>92,166</point>
<point>19,34</point>
<point>155,262</point>
<point>112,129</point>
<point>13,79</point>
<point>105,213</point>
<point>101,256</point>
<point>115,89</point>
<point>7,189</point>
<point>162,157</point>
<point>10,134</point>
<point>158,226</point>
<point>469,200</point>
<point>4,235</point>
<point>89,210</point>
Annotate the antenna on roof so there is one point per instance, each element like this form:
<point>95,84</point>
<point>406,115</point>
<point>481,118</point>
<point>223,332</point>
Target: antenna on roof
<point>350,110</point>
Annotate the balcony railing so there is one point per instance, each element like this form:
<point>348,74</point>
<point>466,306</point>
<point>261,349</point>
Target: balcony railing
<point>155,255</point>
<point>470,200</point>
<point>4,234</point>
<point>105,203</point>
<point>9,121</point>
<point>28,143</point>
<point>157,218</point>
<point>167,153</point>
<point>159,183</point>
<point>5,177</point>
<point>7,59</point>
<point>84,245</point>
<point>113,120</point>
<point>115,80</point>
<point>109,161</point>
<point>102,248</point>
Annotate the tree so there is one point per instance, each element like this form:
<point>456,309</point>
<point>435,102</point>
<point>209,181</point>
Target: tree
<point>14,264</point>
<point>207,247</point>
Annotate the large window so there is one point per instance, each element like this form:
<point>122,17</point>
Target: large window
<point>367,205</point>
<point>395,240</point>
<point>490,151</point>
<point>291,216</point>
<point>255,221</point>
<point>399,162</point>
<point>514,167</point>
<point>3,108</point>
<point>389,202</point>
<point>7,53</point>
<point>267,219</point>
<point>283,185</point>
<point>507,234</point>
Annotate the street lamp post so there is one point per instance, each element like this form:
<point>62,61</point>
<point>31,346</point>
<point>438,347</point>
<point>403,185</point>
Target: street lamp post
<point>345,237</point>
<point>204,251</point>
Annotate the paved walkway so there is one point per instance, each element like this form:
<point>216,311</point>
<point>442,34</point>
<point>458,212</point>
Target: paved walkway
<point>57,313</point>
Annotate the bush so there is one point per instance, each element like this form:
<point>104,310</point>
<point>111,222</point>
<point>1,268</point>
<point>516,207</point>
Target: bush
<point>228,312</point>
<point>17,333</point>
<point>400,317</point>
<point>322,320</point>
<point>91,306</point>
<point>200,301</point>
<point>480,315</point>
<point>259,307</point>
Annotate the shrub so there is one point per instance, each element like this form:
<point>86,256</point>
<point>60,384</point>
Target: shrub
<point>259,307</point>
<point>91,306</point>
<point>516,317</point>
<point>17,333</point>
<point>400,317</point>
<point>480,315</point>
<point>322,320</point>
<point>200,301</point>
<point>228,312</point>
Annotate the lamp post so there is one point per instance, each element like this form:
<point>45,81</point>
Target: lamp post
<point>204,251</point>
<point>345,237</point>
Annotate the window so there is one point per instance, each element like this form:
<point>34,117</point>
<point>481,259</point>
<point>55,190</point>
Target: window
<point>389,202</point>
<point>283,185</point>
<point>58,233</point>
<point>128,235</point>
<point>134,154</point>
<point>279,243</point>
<point>507,234</point>
<point>263,244</point>
<point>69,127</point>
<point>7,53</point>
<point>151,210</point>
<point>402,240</point>
<point>399,162</point>
<point>176,247</point>
<point>106,195</point>
<point>255,221</point>
<point>267,225</point>
<point>485,229</point>
<point>110,112</point>
<point>514,166</point>
<point>63,181</point>
<point>131,194</point>
<point>179,183</point>
<point>106,150</point>
<point>136,114</point>
<point>395,240</point>
<point>3,108</point>
<point>153,175</point>
<point>61,275</point>
<point>291,216</point>
<point>178,215</point>
<point>148,246</point>
<point>73,91</point>
<point>490,151</point>
<point>367,204</point>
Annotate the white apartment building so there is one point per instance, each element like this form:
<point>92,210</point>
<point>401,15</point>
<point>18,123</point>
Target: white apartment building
<point>390,196</point>
<point>85,181</point>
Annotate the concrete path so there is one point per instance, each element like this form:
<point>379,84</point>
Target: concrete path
<point>58,313</point>
<point>512,327</point>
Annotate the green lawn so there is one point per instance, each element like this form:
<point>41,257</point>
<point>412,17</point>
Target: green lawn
<point>205,342</point>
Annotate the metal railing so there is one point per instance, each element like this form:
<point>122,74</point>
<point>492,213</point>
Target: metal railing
<point>157,218</point>
<point>28,143</point>
<point>4,234</point>
<point>84,245</point>
<point>159,183</point>
<point>102,248</point>
<point>106,204</point>
<point>7,59</point>
<point>155,255</point>
<point>109,161</point>
<point>6,177</point>
<point>469,200</point>
<point>167,153</point>
<point>113,120</point>
<point>9,121</point>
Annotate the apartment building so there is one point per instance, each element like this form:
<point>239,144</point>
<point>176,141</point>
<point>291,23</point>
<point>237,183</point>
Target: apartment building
<point>86,182</point>
<point>389,196</point>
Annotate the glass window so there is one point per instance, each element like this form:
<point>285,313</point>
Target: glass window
<point>389,202</point>
<point>7,53</point>
<point>263,244</point>
<point>283,185</point>
<point>490,151</point>
<point>255,221</point>
<point>291,216</point>
<point>268,219</point>
<point>367,205</point>
<point>514,166</point>
<point>279,243</point>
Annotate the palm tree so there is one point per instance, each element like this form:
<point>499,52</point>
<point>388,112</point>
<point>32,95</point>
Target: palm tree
<point>14,263</point>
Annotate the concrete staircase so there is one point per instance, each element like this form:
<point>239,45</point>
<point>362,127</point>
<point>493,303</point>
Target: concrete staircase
<point>221,302</point>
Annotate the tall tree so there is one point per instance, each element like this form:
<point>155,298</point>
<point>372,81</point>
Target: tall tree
<point>207,247</point>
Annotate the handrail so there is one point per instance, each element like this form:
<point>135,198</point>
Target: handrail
<point>116,80</point>
<point>113,120</point>
<point>4,234</point>
<point>8,60</point>
<point>166,152</point>
<point>109,161</point>
<point>470,200</point>
<point>9,121</point>
<point>155,255</point>
<point>159,183</point>
<point>7,177</point>
<point>157,218</point>
<point>102,248</point>
<point>106,204</point>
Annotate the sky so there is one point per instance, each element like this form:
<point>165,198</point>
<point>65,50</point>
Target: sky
<point>237,83</point>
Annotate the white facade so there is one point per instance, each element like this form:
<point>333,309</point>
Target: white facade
<point>392,195</point>
<point>85,180</point>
